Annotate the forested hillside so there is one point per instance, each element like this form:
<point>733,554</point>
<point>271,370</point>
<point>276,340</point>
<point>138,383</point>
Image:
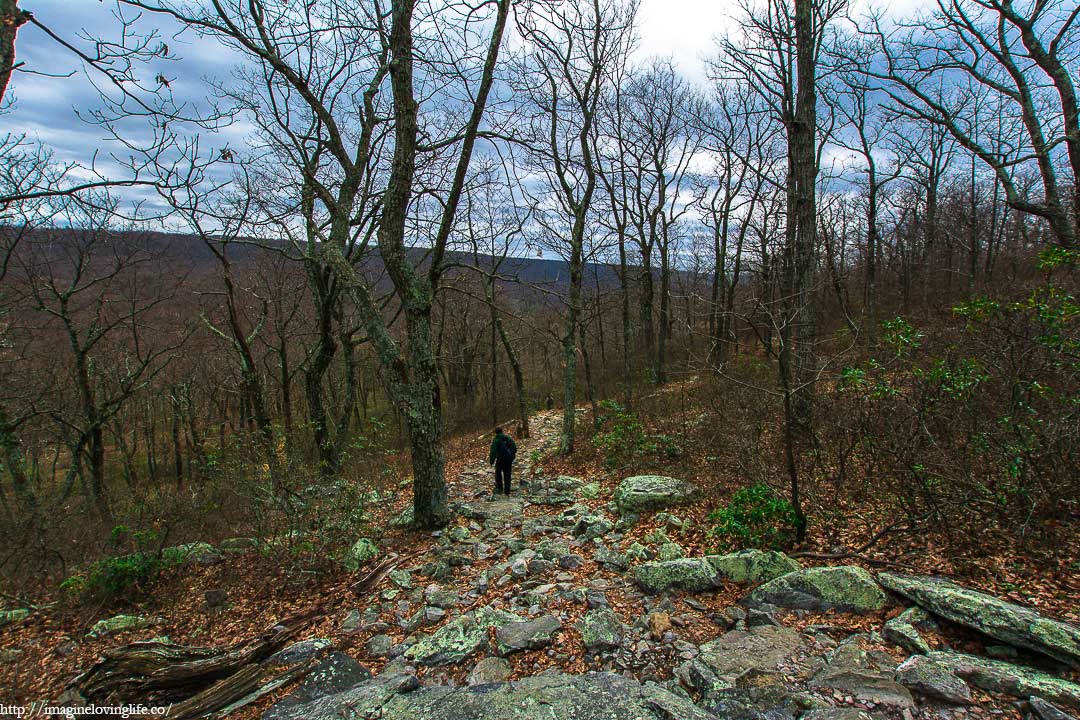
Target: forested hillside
<point>788,341</point>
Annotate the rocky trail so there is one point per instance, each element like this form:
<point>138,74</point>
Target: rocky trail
<point>541,606</point>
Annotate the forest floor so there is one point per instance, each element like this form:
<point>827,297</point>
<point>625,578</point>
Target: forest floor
<point>40,655</point>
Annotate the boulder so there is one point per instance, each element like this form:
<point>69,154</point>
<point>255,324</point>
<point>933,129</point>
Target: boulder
<point>459,638</point>
<point>601,630</point>
<point>1001,620</point>
<point>528,635</point>
<point>195,552</point>
<point>596,696</point>
<point>652,492</point>
<point>843,588</point>
<point>691,574</point>
<point>300,651</point>
<point>361,551</point>
<point>940,674</point>
<point>753,566</point>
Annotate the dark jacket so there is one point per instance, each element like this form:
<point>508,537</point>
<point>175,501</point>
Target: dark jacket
<point>503,449</point>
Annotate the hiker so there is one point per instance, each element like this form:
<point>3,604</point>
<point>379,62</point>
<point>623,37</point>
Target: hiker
<point>503,450</point>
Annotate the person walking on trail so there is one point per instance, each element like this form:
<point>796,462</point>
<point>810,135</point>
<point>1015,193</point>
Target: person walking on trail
<point>503,450</point>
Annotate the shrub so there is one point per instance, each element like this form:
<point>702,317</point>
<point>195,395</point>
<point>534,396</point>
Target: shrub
<point>621,434</point>
<point>755,518</point>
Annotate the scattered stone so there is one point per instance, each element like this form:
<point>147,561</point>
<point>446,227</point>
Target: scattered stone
<point>1044,710</point>
<point>652,492</point>
<point>352,621</point>
<point>529,635</point>
<point>118,623</point>
<point>361,551</point>
<point>401,578</point>
<point>458,533</point>
<point>818,589</point>
<point>437,597</point>
<point>379,645</point>
<point>1001,620</point>
<point>864,674</point>
<point>835,713</point>
<point>590,527</point>
<point>489,670</point>
<point>459,638</point>
<point>638,553</point>
<point>590,491</point>
<point>670,551</point>
<point>8,617</point>
<point>753,566</point>
<point>611,558</point>
<point>601,630</point>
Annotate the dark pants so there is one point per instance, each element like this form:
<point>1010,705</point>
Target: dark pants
<point>502,477</point>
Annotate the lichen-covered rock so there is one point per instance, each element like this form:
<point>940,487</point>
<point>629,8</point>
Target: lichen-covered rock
<point>119,623</point>
<point>361,551</point>
<point>590,491</point>
<point>857,670</point>
<point>761,649</point>
<point>13,616</point>
<point>903,630</point>
<point>940,674</point>
<point>590,527</point>
<point>490,670</point>
<point>652,492</point>
<point>611,558</point>
<point>638,552</point>
<point>335,673</point>
<point>528,635</point>
<point>459,638</point>
<point>1002,620</point>
<point>691,574</point>
<point>670,551</point>
<point>197,552</point>
<point>592,696</point>
<point>843,588</point>
<point>601,630</point>
<point>753,566</point>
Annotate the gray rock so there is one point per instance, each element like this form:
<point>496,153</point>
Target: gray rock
<point>300,651</point>
<point>529,635</point>
<point>753,566</point>
<point>489,670</point>
<point>379,645</point>
<point>610,558</point>
<point>692,574</point>
<point>590,527</point>
<point>652,492</point>
<point>440,598</point>
<point>1005,621</point>
<point>864,674</point>
<point>843,588</point>
<point>756,650</point>
<point>903,630</point>
<point>334,674</point>
<point>362,551</point>
<point>834,713</point>
<point>593,696</point>
<point>459,638</point>
<point>118,623</point>
<point>601,630</point>
<point>940,674</point>
<point>1044,710</point>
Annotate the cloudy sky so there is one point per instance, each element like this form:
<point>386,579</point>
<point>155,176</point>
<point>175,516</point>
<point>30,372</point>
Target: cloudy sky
<point>49,100</point>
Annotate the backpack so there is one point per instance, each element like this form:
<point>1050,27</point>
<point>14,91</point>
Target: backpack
<point>505,450</point>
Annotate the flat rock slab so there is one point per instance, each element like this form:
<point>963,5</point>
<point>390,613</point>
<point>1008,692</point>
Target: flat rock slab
<point>753,566</point>
<point>690,574</point>
<point>1001,620</point>
<point>944,675</point>
<point>860,671</point>
<point>593,696</point>
<point>335,673</point>
<point>843,588</point>
<point>760,649</point>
